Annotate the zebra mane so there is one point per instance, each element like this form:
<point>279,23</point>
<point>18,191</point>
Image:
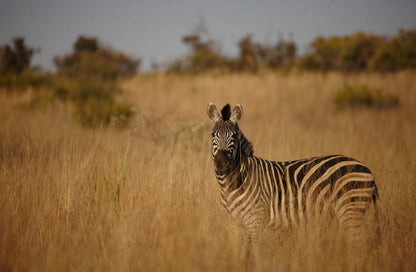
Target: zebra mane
<point>226,112</point>
<point>246,146</point>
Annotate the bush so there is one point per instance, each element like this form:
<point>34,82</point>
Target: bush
<point>91,60</point>
<point>11,82</point>
<point>101,112</point>
<point>323,55</point>
<point>364,96</point>
<point>87,77</point>
<point>357,51</point>
<point>398,53</point>
<point>280,55</point>
<point>90,76</point>
<point>205,54</point>
<point>94,103</point>
<point>348,53</point>
<point>247,59</point>
<point>361,52</point>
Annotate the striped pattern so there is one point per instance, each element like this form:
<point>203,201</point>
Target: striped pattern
<point>259,192</point>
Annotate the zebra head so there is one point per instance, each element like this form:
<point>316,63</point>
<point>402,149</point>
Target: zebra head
<point>225,136</point>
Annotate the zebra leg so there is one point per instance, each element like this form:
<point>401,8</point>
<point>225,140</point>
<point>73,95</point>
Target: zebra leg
<point>350,211</point>
<point>245,239</point>
<point>250,238</point>
<point>241,244</point>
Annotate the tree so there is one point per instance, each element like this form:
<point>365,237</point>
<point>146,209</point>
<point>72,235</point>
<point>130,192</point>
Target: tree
<point>248,55</point>
<point>282,54</point>
<point>357,51</point>
<point>91,60</point>
<point>204,53</point>
<point>15,59</point>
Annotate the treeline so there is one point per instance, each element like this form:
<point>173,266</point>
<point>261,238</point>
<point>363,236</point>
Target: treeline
<point>351,53</point>
<point>362,52</point>
<point>205,54</point>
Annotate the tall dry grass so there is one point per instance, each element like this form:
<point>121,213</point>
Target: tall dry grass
<point>146,199</point>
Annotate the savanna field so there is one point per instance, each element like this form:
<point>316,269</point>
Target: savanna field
<point>145,198</point>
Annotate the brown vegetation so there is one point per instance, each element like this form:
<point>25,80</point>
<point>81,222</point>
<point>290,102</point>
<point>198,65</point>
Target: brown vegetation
<point>356,52</point>
<point>146,198</point>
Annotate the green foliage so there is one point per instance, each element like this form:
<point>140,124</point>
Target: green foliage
<point>101,112</point>
<point>40,99</point>
<point>357,50</point>
<point>90,60</point>
<point>15,72</point>
<point>323,55</point>
<point>12,82</point>
<point>15,59</point>
<point>398,53</point>
<point>176,67</point>
<point>349,53</point>
<point>361,52</point>
<point>85,44</point>
<point>204,55</point>
<point>254,55</point>
<point>364,96</point>
<point>94,104</point>
<point>282,54</point>
<point>247,59</point>
<point>87,78</point>
<point>91,72</point>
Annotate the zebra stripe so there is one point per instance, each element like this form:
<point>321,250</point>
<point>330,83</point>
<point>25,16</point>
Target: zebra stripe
<point>260,192</point>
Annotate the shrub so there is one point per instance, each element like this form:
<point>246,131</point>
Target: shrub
<point>360,52</point>
<point>348,53</point>
<point>27,79</point>
<point>100,112</point>
<point>87,77</point>
<point>398,53</point>
<point>39,99</point>
<point>94,104</point>
<point>247,59</point>
<point>357,50</point>
<point>90,76</point>
<point>364,96</point>
<point>91,60</point>
<point>282,54</point>
<point>323,55</point>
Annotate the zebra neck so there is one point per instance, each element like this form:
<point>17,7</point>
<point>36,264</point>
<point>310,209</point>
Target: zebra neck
<point>234,184</point>
<point>246,148</point>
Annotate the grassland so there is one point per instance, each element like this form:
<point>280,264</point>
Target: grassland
<point>146,199</point>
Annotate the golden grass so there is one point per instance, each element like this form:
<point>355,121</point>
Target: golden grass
<point>146,198</point>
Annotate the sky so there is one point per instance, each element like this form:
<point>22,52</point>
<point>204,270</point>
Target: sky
<point>152,29</point>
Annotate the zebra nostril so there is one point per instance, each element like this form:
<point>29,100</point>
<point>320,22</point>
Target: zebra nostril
<point>223,153</point>
<point>221,159</point>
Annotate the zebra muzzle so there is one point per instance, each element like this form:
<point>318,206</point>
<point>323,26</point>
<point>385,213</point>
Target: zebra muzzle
<point>221,160</point>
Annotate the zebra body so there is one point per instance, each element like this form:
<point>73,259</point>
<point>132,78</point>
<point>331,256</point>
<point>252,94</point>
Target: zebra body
<point>260,192</point>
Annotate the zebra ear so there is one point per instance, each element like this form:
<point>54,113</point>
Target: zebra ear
<point>213,112</point>
<point>237,113</point>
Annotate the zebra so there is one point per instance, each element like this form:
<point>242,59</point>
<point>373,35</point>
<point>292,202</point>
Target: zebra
<point>259,192</point>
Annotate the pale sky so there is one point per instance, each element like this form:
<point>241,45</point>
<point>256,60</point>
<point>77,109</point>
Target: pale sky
<point>152,29</point>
